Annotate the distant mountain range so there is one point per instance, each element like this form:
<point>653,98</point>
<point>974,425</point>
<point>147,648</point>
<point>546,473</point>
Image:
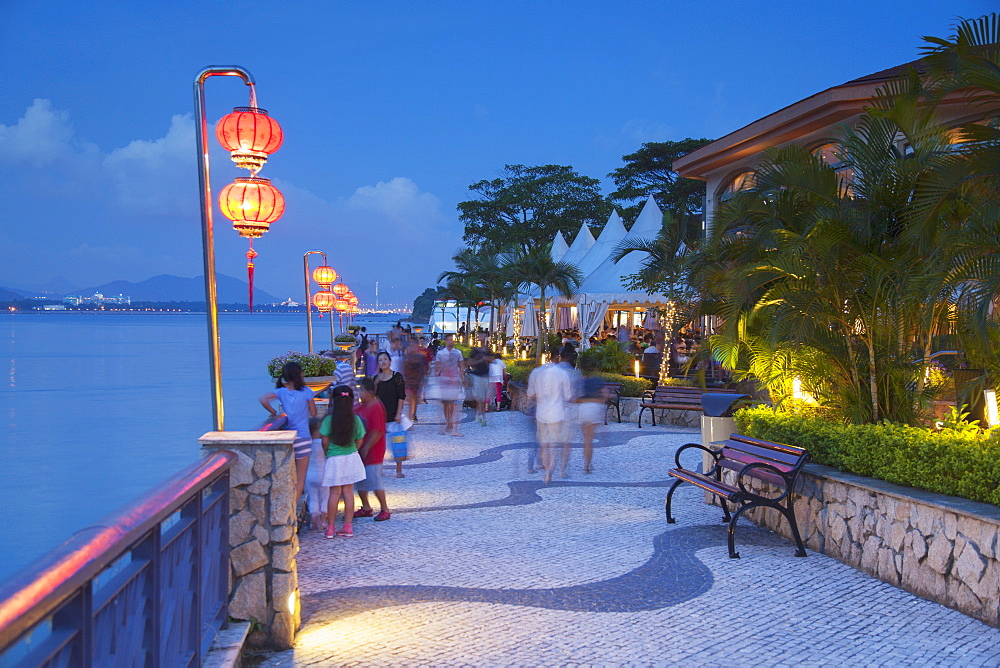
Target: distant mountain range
<point>162,288</point>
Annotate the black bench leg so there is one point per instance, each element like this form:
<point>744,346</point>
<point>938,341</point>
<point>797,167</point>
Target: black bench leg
<point>725,510</point>
<point>640,417</point>
<point>733,554</point>
<point>790,516</point>
<point>618,409</point>
<point>670,494</point>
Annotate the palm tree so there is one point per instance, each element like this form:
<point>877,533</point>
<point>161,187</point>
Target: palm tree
<point>829,269</point>
<point>670,259</point>
<point>485,271</point>
<point>535,267</point>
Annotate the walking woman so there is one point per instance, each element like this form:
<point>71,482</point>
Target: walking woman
<point>390,388</point>
<point>297,402</point>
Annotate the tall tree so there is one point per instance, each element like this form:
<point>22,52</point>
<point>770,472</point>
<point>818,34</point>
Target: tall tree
<point>423,305</point>
<point>527,206</point>
<point>648,172</point>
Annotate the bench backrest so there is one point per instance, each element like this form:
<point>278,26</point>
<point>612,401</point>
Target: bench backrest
<point>741,450</point>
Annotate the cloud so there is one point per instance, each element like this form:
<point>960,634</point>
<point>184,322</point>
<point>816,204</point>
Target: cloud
<point>41,137</point>
<point>636,132</point>
<point>398,200</point>
<point>156,177</point>
<point>132,212</point>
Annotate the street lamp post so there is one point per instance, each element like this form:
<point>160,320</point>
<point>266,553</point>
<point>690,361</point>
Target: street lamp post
<point>251,203</point>
<point>207,232</point>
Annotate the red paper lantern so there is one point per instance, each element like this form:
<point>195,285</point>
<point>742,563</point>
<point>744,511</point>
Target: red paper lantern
<point>341,305</point>
<point>252,204</point>
<point>323,301</point>
<point>324,276</point>
<point>352,300</point>
<point>250,135</point>
<point>341,289</point>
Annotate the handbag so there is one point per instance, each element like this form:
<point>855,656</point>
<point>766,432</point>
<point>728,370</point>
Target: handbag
<point>399,440</point>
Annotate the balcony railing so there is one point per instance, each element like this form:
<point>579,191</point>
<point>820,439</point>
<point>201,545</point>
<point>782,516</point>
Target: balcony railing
<point>147,586</point>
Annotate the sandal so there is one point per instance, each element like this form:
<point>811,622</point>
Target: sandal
<point>364,513</point>
<point>347,531</point>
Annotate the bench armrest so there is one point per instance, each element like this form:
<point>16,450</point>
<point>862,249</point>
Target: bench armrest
<point>697,446</point>
<point>770,469</point>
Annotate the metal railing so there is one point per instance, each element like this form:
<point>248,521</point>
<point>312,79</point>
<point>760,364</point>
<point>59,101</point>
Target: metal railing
<point>147,586</point>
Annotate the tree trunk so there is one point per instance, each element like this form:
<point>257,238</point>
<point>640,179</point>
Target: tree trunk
<point>543,331</point>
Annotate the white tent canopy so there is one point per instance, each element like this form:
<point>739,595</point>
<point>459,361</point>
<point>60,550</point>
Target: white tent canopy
<point>603,289</point>
<point>581,244</point>
<point>605,282</point>
<point>559,247</point>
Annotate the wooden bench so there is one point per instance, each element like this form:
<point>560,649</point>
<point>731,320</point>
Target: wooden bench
<point>671,397</point>
<point>614,399</point>
<point>773,463</point>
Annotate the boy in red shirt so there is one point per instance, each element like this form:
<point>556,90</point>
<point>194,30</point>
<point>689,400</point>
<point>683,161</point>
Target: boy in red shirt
<point>372,451</point>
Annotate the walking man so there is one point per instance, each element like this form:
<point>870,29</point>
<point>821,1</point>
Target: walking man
<point>550,387</point>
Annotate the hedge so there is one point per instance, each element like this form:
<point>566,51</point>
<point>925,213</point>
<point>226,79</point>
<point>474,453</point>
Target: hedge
<point>312,364</point>
<point>519,371</point>
<point>948,462</point>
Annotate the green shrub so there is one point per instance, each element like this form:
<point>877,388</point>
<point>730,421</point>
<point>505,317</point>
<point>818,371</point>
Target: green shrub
<point>960,463</point>
<point>607,357</point>
<point>631,386</point>
<point>312,365</point>
<point>519,371</point>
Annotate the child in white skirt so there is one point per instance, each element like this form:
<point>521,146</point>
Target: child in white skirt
<point>342,435</point>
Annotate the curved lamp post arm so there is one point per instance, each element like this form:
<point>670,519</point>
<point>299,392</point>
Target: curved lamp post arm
<point>207,233</point>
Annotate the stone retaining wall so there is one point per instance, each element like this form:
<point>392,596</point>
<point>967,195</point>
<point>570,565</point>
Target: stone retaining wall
<point>262,531</point>
<point>942,548</point>
<point>629,408</point>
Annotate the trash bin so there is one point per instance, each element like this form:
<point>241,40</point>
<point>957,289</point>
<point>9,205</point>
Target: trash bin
<point>717,421</point>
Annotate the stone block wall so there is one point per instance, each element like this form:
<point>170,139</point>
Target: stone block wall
<point>262,531</point>
<point>942,548</point>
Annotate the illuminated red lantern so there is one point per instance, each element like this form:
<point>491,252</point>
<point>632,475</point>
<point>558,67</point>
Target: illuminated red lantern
<point>341,289</point>
<point>323,301</point>
<point>324,276</point>
<point>252,204</point>
<point>250,135</point>
<point>352,300</point>
<point>341,305</point>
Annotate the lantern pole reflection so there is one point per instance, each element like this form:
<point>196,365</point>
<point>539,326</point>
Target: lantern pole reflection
<point>207,232</point>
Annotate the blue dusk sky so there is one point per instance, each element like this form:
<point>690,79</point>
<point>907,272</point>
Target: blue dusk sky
<point>390,111</point>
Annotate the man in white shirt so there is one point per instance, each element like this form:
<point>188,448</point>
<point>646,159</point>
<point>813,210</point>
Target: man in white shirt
<point>551,389</point>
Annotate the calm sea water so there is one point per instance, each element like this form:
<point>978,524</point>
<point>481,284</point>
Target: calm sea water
<point>99,407</point>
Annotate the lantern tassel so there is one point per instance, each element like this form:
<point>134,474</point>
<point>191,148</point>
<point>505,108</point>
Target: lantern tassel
<point>251,254</point>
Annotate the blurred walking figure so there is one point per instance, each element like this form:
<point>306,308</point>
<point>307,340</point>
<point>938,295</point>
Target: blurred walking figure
<point>498,373</point>
<point>591,410</point>
<point>448,366</point>
<point>551,389</point>
<point>415,367</point>
<point>316,494</point>
<point>479,374</point>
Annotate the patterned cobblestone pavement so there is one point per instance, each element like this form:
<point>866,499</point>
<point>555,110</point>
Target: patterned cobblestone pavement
<point>483,564</point>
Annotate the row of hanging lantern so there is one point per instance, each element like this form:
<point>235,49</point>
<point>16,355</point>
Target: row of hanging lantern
<point>251,203</point>
<point>332,297</point>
